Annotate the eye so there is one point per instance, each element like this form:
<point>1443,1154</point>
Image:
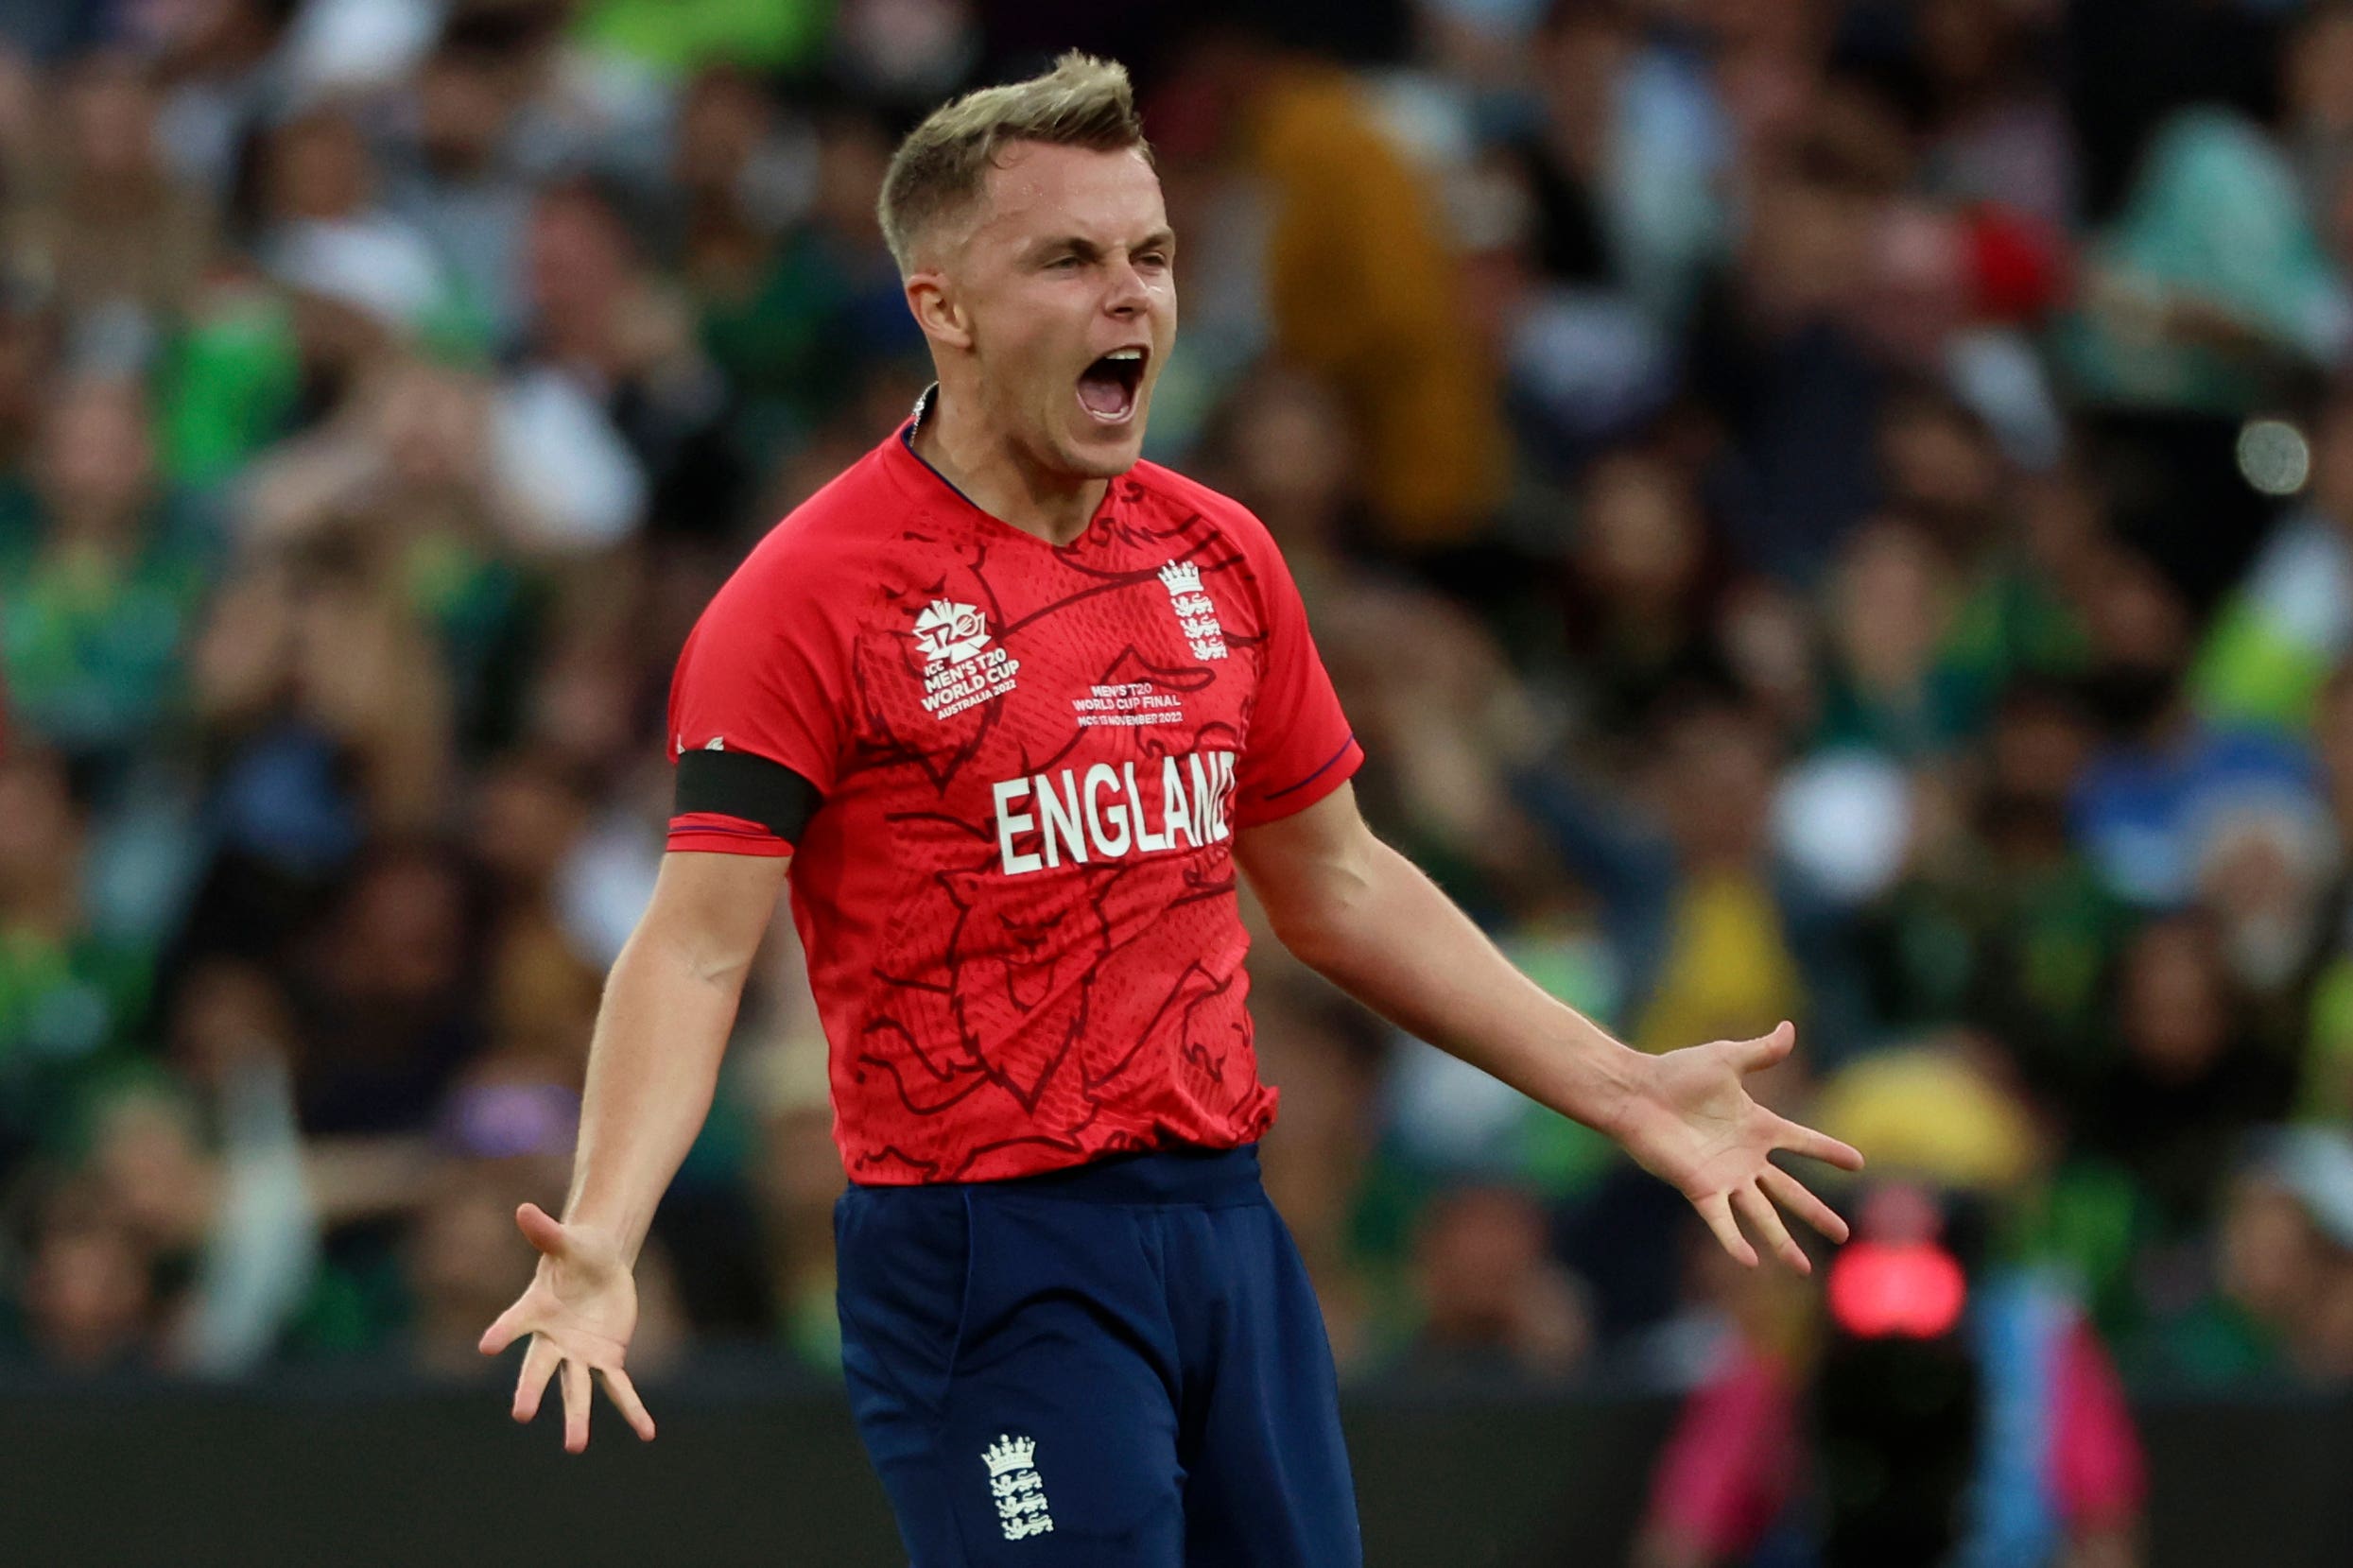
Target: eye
<point>1152,259</point>
<point>1063,264</point>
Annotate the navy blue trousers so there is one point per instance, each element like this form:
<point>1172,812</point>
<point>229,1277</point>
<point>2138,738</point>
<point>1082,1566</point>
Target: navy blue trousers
<point>1117,1366</point>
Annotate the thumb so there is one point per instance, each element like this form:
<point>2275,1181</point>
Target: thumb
<point>542,1232</point>
<point>1754,1055</point>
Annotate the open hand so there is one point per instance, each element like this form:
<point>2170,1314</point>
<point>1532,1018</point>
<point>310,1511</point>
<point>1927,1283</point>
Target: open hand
<point>1692,1125</point>
<point>580,1312</point>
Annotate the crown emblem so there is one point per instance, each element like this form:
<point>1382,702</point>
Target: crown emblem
<point>1008,1453</point>
<point>1181,577</point>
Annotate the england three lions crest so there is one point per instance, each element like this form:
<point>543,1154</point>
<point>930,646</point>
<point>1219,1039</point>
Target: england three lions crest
<point>1016,1488</point>
<point>1195,611</point>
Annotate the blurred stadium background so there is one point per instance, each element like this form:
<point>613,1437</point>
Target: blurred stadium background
<point>1835,511</point>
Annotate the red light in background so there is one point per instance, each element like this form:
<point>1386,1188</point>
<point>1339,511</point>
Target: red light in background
<point>1879,1290</point>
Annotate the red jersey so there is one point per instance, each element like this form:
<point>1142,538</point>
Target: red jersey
<point>1010,775</point>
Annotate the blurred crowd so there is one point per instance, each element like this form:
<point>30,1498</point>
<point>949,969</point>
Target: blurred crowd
<point>1838,511</point>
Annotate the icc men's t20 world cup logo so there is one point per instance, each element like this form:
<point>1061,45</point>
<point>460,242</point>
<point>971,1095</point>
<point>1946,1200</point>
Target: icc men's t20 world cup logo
<point>961,669</point>
<point>949,632</point>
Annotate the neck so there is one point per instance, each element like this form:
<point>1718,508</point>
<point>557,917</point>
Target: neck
<point>998,478</point>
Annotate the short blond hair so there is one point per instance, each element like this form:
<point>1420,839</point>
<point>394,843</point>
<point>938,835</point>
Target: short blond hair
<point>938,171</point>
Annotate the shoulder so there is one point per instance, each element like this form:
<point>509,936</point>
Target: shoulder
<point>800,593</point>
<point>1227,540</point>
<point>851,512</point>
<point>824,545</point>
<point>1224,515</point>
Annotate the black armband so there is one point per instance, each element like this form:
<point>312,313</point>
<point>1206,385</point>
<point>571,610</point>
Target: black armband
<point>738,783</point>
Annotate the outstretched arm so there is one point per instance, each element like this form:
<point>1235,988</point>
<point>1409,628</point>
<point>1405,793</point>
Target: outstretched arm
<point>1367,918</point>
<point>669,1007</point>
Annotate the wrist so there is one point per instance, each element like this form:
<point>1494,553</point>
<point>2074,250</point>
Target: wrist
<point>1630,1097</point>
<point>604,1240</point>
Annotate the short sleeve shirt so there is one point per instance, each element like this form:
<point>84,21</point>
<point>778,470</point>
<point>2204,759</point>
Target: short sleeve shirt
<point>1010,775</point>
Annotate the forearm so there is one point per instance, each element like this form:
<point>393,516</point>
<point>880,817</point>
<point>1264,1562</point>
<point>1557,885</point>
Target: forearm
<point>652,1068</point>
<point>1390,937</point>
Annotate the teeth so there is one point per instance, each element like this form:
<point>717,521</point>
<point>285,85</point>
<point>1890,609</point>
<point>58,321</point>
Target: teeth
<point>1125,353</point>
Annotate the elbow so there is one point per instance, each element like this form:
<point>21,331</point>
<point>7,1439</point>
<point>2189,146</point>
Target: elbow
<point>1306,938</point>
<point>1321,878</point>
<point>722,973</point>
<point>707,918</point>
<point>1317,925</point>
<point>690,954</point>
<point>725,969</point>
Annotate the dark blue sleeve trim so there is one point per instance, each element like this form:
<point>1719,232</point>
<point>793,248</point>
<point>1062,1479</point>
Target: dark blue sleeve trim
<point>1311,778</point>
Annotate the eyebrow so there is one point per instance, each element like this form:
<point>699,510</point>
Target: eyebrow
<point>1159,239</point>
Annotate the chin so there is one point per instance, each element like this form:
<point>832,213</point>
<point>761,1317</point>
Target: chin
<point>1104,453</point>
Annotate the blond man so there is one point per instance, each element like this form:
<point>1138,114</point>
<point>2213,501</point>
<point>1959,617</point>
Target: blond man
<point>1015,707</point>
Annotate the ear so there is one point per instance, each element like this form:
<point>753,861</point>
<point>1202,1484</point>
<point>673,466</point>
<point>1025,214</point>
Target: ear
<point>938,311</point>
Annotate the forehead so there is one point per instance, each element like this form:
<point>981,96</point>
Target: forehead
<point>1036,190</point>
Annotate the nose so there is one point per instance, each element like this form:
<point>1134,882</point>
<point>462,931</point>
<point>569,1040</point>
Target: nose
<point>1127,295</point>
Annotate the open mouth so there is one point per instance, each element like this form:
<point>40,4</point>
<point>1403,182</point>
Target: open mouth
<point>1107,388</point>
